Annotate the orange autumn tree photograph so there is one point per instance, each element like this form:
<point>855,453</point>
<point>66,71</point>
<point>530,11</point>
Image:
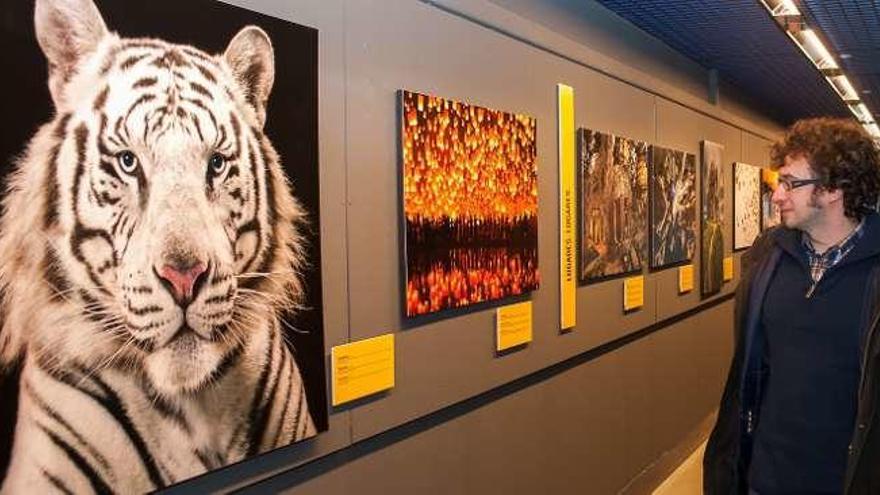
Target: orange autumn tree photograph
<point>470,203</point>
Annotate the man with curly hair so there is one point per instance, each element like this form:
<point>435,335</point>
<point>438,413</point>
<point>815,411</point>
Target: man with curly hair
<point>798,411</point>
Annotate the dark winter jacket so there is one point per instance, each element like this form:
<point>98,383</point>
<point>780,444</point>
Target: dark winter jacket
<point>728,452</point>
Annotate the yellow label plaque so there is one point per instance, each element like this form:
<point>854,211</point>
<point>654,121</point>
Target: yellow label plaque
<point>362,368</point>
<point>567,280</point>
<point>633,293</point>
<point>728,268</point>
<point>513,325</point>
<point>685,279</point>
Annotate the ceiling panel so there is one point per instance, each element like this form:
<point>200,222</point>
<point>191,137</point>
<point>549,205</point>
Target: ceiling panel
<point>741,41</point>
<point>851,28</point>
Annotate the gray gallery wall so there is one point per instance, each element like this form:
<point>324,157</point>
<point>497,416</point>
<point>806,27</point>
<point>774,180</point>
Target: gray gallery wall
<point>585,411</point>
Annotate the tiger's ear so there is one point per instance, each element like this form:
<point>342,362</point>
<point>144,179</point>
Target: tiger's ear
<point>252,60</point>
<point>68,31</point>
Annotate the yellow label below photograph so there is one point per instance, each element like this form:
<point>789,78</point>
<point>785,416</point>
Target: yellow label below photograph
<point>362,368</point>
<point>513,325</point>
<point>685,279</point>
<point>728,268</point>
<point>633,293</point>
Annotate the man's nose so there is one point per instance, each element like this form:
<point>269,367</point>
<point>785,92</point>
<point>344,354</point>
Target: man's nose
<point>778,194</point>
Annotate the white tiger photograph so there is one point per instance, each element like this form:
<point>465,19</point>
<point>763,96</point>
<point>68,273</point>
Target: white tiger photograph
<point>160,289</point>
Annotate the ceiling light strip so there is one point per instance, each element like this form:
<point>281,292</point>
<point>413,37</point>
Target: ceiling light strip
<point>787,15</point>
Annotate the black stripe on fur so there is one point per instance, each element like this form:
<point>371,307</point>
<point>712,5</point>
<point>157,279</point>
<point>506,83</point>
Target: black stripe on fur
<point>101,99</point>
<point>50,216</point>
<point>299,410</point>
<point>254,223</point>
<point>54,274</point>
<point>56,482</point>
<point>79,237</point>
<point>265,419</point>
<point>206,72</point>
<point>78,461</point>
<point>165,408</point>
<point>109,60</point>
<point>256,419</point>
<point>131,61</point>
<point>228,361</point>
<point>114,406</point>
<point>287,366</point>
<point>48,411</point>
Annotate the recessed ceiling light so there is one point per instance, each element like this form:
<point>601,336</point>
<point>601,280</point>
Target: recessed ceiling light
<point>845,55</point>
<point>779,8</point>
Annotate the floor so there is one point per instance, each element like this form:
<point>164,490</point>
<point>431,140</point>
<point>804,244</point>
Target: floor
<point>687,479</point>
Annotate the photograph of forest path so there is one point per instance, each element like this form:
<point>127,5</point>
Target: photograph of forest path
<point>614,204</point>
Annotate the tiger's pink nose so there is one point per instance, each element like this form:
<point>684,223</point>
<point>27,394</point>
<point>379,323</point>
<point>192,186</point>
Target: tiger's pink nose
<point>182,281</point>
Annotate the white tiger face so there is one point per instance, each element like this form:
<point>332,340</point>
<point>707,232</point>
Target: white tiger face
<point>166,206</point>
<point>176,192</point>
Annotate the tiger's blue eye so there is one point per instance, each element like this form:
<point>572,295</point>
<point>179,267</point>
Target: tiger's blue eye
<point>217,164</point>
<point>128,162</point>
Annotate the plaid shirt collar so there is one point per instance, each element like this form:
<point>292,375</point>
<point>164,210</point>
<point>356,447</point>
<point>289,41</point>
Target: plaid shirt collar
<point>820,263</point>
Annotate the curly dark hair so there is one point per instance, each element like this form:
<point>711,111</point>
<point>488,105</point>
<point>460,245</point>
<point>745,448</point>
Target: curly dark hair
<point>841,153</point>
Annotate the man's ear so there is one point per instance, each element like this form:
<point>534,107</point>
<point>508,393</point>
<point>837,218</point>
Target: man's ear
<point>68,31</point>
<point>252,60</point>
<point>830,196</point>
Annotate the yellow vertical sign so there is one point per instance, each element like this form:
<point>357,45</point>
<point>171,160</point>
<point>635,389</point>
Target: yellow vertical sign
<point>513,325</point>
<point>362,368</point>
<point>728,268</point>
<point>567,282</point>
<point>685,279</point>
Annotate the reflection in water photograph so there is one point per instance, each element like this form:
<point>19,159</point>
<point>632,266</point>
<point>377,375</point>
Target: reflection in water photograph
<point>470,203</point>
<point>613,174</point>
<point>673,202</point>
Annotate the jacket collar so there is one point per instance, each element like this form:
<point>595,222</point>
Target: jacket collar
<point>869,245</point>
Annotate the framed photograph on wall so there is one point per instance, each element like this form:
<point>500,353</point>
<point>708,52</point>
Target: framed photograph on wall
<point>673,201</point>
<point>470,203</point>
<point>613,176</point>
<point>712,219</point>
<point>161,219</point>
<point>746,204</point>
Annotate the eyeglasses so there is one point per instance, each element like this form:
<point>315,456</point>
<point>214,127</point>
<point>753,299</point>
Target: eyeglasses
<point>788,184</point>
